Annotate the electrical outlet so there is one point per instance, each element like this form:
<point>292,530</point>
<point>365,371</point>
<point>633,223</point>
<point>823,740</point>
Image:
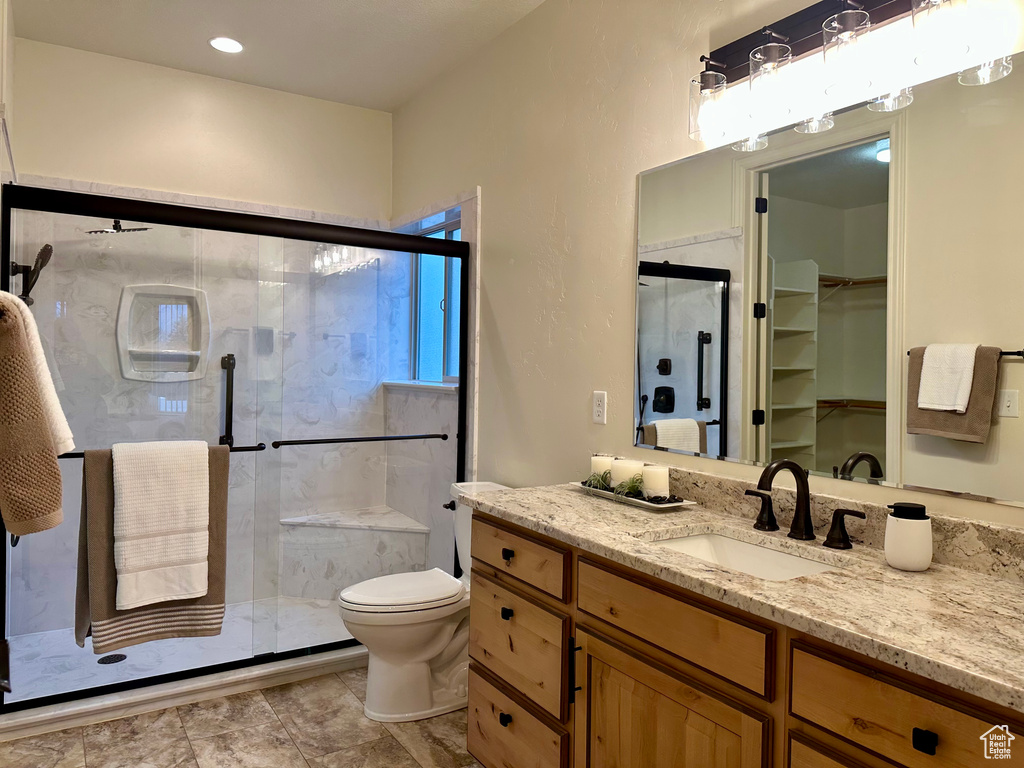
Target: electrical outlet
<point>1009,404</point>
<point>600,407</point>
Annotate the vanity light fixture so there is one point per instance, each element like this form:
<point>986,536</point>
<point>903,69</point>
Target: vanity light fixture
<point>986,73</point>
<point>892,102</point>
<point>226,44</point>
<point>767,89</point>
<point>707,117</point>
<point>865,61</point>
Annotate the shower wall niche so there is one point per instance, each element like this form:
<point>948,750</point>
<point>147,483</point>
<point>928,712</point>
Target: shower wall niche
<point>135,326</point>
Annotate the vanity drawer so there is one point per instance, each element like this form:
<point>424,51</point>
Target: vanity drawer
<point>863,707</point>
<point>502,733</point>
<point>522,642</point>
<point>539,565</point>
<point>734,650</point>
<point>806,754</point>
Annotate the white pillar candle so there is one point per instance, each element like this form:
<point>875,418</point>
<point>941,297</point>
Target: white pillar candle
<point>600,464</point>
<point>655,481</point>
<point>625,469</point>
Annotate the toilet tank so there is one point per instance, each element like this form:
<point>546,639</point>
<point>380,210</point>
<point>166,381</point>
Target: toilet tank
<point>464,517</point>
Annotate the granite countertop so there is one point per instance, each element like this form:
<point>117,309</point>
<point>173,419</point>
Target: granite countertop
<point>953,626</point>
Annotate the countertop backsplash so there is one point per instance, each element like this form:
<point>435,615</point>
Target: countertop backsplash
<point>987,548</point>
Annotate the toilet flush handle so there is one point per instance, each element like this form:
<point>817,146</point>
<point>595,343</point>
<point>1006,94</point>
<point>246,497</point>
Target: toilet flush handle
<point>450,505</point>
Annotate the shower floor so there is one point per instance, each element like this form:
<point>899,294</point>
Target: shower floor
<point>48,663</point>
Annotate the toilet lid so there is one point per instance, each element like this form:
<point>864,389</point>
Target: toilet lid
<point>404,591</point>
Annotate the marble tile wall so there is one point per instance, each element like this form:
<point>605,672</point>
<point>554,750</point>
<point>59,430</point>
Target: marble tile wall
<point>420,472</point>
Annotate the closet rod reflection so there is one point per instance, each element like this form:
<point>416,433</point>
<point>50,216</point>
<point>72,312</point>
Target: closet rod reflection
<point>233,449</point>
<point>375,439</point>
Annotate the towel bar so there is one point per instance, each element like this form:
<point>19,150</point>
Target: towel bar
<point>375,439</point>
<point>1002,353</point>
<point>232,449</point>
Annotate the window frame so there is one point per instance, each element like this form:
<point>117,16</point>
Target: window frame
<point>451,224</point>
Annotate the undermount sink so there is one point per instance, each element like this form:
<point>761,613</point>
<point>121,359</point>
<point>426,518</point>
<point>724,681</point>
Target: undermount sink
<point>754,560</point>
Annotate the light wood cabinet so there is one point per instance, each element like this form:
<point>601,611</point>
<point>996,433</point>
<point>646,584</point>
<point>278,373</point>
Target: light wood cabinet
<point>521,641</point>
<point>504,732</point>
<point>540,565</point>
<point>632,713</point>
<point>734,650</point>
<point>578,661</point>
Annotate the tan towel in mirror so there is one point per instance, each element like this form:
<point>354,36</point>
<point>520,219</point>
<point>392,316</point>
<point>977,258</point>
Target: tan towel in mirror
<point>650,435</point>
<point>95,611</point>
<point>972,426</point>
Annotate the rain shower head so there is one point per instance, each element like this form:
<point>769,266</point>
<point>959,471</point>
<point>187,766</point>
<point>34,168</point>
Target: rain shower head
<point>116,229</point>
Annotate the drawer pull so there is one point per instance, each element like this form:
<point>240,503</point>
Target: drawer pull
<point>504,720</point>
<point>507,554</point>
<point>507,613</point>
<point>925,741</point>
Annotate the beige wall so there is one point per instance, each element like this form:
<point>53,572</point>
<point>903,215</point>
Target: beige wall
<point>554,120</point>
<point>104,119</point>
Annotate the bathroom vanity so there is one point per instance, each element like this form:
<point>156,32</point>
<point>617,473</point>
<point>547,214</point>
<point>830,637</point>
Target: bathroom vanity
<point>594,642</point>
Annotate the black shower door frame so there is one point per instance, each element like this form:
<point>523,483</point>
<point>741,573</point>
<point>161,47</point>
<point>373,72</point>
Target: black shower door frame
<point>707,275</point>
<point>14,197</point>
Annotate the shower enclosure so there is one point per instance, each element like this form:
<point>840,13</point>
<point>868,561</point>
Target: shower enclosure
<point>287,340</point>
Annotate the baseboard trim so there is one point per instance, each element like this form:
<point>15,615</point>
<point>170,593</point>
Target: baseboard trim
<point>73,714</point>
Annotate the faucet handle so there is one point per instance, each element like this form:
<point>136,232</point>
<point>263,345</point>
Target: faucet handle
<point>766,517</point>
<point>837,537</point>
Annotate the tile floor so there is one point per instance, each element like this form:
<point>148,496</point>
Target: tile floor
<point>316,723</point>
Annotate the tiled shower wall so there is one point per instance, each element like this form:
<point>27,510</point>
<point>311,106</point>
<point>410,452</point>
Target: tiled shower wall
<point>333,340</point>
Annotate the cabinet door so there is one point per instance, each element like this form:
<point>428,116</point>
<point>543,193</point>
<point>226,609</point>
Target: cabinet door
<point>633,713</point>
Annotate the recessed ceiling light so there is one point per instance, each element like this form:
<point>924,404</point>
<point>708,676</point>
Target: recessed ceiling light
<point>226,45</point>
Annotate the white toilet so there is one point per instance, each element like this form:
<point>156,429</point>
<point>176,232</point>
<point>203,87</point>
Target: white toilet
<point>415,627</point>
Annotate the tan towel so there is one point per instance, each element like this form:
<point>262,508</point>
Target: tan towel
<point>972,426</point>
<point>650,435</point>
<point>95,611</point>
<point>63,440</point>
<point>30,487</point>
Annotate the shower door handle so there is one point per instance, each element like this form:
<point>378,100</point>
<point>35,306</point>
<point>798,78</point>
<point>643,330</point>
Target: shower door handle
<point>703,340</point>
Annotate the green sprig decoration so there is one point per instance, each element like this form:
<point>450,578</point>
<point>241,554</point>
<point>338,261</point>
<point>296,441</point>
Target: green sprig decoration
<point>602,482</point>
<point>634,487</point>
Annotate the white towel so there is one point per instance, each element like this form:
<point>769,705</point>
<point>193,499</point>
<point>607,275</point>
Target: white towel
<point>678,434</point>
<point>947,375</point>
<point>63,440</point>
<point>161,521</point>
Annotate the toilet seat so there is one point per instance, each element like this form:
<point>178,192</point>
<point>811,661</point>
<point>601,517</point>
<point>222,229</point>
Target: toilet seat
<point>403,592</point>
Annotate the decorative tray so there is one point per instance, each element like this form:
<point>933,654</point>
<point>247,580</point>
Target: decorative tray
<point>669,506</point>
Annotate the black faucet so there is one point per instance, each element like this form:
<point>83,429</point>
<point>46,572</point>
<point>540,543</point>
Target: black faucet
<point>802,527</point>
<point>874,466</point>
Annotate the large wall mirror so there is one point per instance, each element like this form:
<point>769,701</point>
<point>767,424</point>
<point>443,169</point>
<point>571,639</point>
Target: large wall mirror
<point>781,291</point>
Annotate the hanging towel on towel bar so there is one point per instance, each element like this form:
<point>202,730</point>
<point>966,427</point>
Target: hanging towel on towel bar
<point>947,376</point>
<point>95,610</point>
<point>33,429</point>
<point>161,521</point>
<point>972,426</point>
<point>680,434</point>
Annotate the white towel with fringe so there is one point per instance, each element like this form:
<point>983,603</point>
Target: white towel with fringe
<point>947,375</point>
<point>161,521</point>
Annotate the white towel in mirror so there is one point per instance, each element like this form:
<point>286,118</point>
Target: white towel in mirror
<point>947,375</point>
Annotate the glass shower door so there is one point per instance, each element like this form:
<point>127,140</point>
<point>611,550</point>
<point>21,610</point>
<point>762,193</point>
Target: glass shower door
<point>683,349</point>
<point>135,319</point>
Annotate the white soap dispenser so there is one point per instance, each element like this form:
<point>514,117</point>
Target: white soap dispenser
<point>908,537</point>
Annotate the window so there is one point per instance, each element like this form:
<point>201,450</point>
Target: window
<point>436,296</point>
